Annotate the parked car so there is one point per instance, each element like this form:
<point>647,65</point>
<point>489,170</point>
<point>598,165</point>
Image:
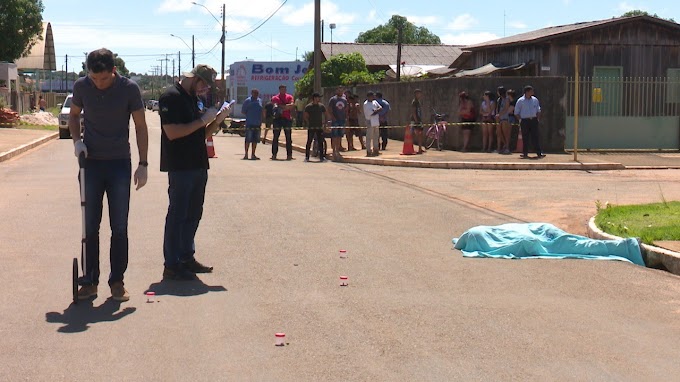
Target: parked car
<point>149,104</point>
<point>154,106</point>
<point>64,133</point>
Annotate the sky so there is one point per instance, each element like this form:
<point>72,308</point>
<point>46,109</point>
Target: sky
<point>140,31</point>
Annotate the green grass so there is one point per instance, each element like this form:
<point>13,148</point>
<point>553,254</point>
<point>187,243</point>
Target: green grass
<point>39,127</point>
<point>649,222</point>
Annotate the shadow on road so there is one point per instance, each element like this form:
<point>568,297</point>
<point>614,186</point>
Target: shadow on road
<point>183,288</point>
<point>77,318</point>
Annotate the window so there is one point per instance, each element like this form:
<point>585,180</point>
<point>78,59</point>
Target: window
<point>673,85</point>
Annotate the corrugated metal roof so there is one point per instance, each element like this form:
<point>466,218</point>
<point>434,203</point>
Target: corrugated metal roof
<point>545,33</point>
<point>386,54</point>
<point>42,55</point>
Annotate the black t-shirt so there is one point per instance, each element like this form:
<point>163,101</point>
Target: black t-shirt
<point>176,106</point>
<point>316,114</point>
<point>269,107</point>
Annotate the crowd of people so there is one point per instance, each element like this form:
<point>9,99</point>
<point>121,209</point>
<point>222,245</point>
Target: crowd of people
<point>498,117</point>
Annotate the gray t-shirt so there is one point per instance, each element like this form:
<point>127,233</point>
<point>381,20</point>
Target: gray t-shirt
<point>107,116</point>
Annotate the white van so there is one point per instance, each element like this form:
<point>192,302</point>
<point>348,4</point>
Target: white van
<point>64,133</point>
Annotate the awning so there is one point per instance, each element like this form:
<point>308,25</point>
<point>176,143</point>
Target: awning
<point>417,70</point>
<point>488,69</point>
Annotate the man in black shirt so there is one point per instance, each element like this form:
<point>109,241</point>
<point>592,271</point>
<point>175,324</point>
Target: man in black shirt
<point>185,158</point>
<point>315,122</point>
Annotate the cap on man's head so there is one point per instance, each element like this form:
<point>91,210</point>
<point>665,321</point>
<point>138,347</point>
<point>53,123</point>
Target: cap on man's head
<point>204,72</point>
<point>316,95</point>
<point>370,93</point>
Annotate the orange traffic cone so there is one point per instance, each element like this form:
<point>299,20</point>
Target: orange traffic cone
<point>520,143</point>
<point>408,143</point>
<point>210,146</point>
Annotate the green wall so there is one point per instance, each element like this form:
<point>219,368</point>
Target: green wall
<point>624,133</point>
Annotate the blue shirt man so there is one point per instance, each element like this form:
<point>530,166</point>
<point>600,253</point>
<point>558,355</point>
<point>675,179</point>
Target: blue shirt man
<point>527,106</point>
<point>528,110</point>
<point>253,109</point>
<point>382,116</point>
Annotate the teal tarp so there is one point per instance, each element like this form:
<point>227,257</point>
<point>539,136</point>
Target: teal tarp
<point>542,240</point>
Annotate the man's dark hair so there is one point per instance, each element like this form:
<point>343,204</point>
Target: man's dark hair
<point>417,91</point>
<point>316,95</point>
<point>501,91</point>
<point>370,93</point>
<point>378,94</point>
<point>527,88</point>
<point>100,60</point>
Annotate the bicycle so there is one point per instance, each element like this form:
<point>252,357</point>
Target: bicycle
<point>436,132</point>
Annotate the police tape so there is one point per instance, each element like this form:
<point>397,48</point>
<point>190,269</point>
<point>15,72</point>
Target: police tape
<point>412,126</point>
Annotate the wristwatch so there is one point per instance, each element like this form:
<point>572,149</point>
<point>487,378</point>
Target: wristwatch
<point>144,163</point>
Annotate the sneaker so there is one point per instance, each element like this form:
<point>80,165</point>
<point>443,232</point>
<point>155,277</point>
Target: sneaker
<point>87,291</point>
<point>196,267</point>
<point>118,292</point>
<point>306,159</point>
<point>290,158</point>
<point>178,273</point>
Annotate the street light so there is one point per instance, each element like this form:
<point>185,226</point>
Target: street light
<point>222,39</point>
<point>332,26</point>
<point>193,54</point>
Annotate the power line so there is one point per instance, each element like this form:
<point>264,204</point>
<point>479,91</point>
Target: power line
<point>261,24</point>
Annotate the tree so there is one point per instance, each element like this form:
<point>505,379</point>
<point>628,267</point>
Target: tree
<point>118,62</point>
<point>638,12</point>
<point>388,32</point>
<point>20,27</point>
<point>341,69</point>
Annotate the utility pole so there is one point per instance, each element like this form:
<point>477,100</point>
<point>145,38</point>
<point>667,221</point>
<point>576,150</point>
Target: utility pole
<point>193,53</point>
<point>66,73</point>
<point>399,39</point>
<point>166,66</point>
<point>223,38</point>
<point>179,65</point>
<point>173,71</point>
<point>317,45</point>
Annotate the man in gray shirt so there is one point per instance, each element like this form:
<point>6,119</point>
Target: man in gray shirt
<point>107,100</point>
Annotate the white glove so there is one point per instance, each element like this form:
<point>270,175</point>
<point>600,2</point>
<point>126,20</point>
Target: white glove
<point>141,175</point>
<point>209,116</point>
<point>80,147</point>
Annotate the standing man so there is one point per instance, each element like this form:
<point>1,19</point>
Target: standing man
<point>417,118</point>
<point>268,119</point>
<point>337,112</point>
<point>315,122</point>
<point>300,110</point>
<point>42,103</point>
<point>384,132</point>
<point>528,111</point>
<point>185,158</point>
<point>371,110</point>
<point>282,120</point>
<point>109,100</point>
<point>254,111</point>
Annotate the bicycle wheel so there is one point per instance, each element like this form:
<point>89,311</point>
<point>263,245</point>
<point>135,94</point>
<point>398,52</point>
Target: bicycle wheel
<point>431,136</point>
<point>440,138</point>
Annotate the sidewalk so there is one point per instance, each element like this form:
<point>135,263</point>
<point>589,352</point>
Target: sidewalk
<point>16,141</point>
<point>447,159</point>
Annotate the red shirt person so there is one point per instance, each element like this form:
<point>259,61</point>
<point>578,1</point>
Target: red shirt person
<point>283,104</point>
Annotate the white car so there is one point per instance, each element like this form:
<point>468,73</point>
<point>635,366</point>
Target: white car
<point>64,133</point>
<point>154,106</point>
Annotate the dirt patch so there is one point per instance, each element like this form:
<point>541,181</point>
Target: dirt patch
<point>40,118</point>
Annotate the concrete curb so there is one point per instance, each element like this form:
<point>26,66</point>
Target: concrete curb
<point>23,148</point>
<point>654,257</point>
<point>529,165</point>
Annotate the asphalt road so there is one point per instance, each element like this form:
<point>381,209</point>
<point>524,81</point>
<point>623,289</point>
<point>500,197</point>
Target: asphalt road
<point>414,308</point>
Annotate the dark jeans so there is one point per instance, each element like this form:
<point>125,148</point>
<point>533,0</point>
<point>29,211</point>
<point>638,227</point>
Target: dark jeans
<point>530,132</point>
<point>312,133</point>
<point>286,125</point>
<point>113,178</point>
<point>186,192</point>
<point>384,132</point>
<point>298,118</point>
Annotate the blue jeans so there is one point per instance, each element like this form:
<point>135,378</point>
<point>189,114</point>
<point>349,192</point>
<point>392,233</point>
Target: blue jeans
<point>186,192</point>
<point>113,178</point>
<point>286,124</point>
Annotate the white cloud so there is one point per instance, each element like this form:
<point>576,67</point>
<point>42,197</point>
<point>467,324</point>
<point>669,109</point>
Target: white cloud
<point>462,22</point>
<point>517,25</point>
<point>423,20</point>
<point>233,8</point>
<point>468,38</point>
<point>304,15</point>
<point>625,6</point>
